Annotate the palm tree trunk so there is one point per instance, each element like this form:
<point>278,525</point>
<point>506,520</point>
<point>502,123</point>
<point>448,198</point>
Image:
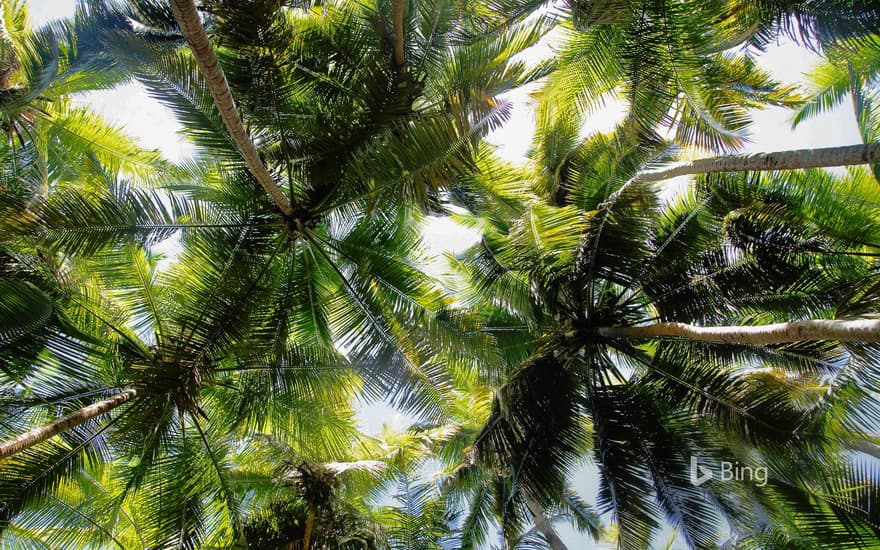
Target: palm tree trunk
<point>397,21</point>
<point>863,330</point>
<point>798,159</point>
<point>66,422</point>
<point>543,524</point>
<point>310,524</point>
<point>187,17</point>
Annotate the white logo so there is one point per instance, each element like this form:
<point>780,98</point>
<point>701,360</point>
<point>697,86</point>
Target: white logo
<point>699,474</point>
<point>729,472</point>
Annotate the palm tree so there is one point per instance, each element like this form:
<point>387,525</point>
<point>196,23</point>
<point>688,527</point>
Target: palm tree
<point>491,498</point>
<point>488,497</point>
<point>420,520</point>
<point>47,138</point>
<point>815,24</point>
<point>668,62</point>
<point>185,410</point>
<point>52,356</point>
<point>758,22</point>
<point>733,322</point>
<point>345,502</point>
<point>230,336</point>
<point>848,71</point>
<point>316,504</point>
<point>305,226</point>
<point>64,423</point>
<point>600,293</point>
<point>364,133</point>
<point>685,69</point>
<point>99,323</point>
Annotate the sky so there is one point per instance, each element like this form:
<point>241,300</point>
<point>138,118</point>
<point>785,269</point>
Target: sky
<point>155,127</point>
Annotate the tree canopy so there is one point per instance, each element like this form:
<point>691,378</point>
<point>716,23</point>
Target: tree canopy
<point>604,318</point>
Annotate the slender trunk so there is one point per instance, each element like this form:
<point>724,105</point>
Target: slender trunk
<point>397,21</point>
<point>66,422</point>
<point>858,101</point>
<point>310,524</point>
<point>798,159</point>
<point>187,17</point>
<point>779,333</point>
<point>543,524</point>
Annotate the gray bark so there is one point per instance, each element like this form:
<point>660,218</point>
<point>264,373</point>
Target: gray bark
<point>870,448</point>
<point>543,524</point>
<point>798,159</point>
<point>863,330</point>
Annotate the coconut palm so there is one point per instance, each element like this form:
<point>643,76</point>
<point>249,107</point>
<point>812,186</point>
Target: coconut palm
<point>685,69</point>
<point>349,135</point>
<point>759,22</point>
<point>420,519</point>
<point>173,422</point>
<point>47,137</point>
<point>87,329</point>
<point>310,504</point>
<point>848,72</point>
<point>312,123</point>
<point>667,61</point>
<point>733,322</point>
<point>300,243</point>
<point>240,333</point>
<point>488,497</point>
<point>54,349</point>
<point>492,498</point>
<point>594,292</point>
<point>818,23</point>
<point>348,502</point>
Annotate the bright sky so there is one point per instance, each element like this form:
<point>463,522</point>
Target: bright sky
<point>156,127</point>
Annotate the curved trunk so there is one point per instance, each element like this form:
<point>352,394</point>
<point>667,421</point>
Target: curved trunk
<point>798,159</point>
<point>778,333</point>
<point>66,422</point>
<point>187,17</point>
<point>543,524</point>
